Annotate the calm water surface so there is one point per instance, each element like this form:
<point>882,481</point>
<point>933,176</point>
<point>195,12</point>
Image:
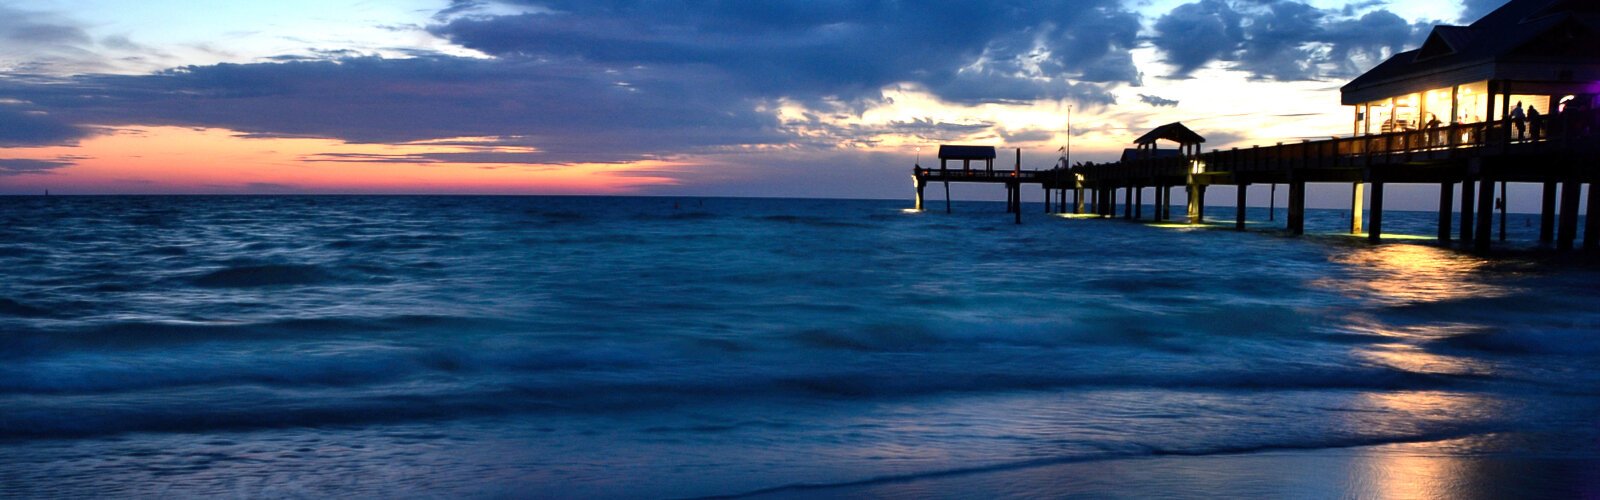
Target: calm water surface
<point>656,347</point>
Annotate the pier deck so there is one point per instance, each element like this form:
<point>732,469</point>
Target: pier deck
<point>1564,156</point>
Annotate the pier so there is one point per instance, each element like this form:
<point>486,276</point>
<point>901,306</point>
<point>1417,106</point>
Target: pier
<point>1529,52</point>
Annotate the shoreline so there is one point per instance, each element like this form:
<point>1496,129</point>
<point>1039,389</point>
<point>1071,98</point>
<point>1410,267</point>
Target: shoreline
<point>1425,469</point>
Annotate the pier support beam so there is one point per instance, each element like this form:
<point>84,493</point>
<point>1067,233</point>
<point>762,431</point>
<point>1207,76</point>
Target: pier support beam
<point>1161,203</point>
<point>1297,208</point>
<point>1192,193</point>
<point>1447,193</point>
<point>1504,202</point>
<point>1375,233</point>
<point>1468,204</point>
<point>1016,200</point>
<point>1239,206</point>
<point>1483,233</point>
<point>1127,202</point>
<point>1591,224</point>
<point>1272,202</point>
<point>1138,203</point>
<point>918,183</point>
<point>1547,213</point>
<point>1011,198</point>
<point>1166,200</point>
<point>1567,229</point>
<point>1077,200</point>
<point>1355,206</point>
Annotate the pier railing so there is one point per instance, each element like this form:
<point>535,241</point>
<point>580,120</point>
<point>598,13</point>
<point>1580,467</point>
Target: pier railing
<point>1566,132</point>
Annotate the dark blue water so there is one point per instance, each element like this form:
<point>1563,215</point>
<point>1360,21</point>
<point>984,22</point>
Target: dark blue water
<point>656,347</point>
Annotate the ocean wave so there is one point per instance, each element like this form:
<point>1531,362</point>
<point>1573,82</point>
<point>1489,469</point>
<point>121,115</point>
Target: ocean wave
<point>266,275</point>
<point>15,308</point>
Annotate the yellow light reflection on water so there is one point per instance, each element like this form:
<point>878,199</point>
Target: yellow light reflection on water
<point>1414,359</point>
<point>1423,469</point>
<point>1388,236</point>
<point>1408,273</point>
<point>1180,225</point>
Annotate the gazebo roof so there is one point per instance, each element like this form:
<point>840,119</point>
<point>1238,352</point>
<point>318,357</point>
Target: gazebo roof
<point>1133,154</point>
<point>948,152</point>
<point>1174,132</point>
<point>1524,40</point>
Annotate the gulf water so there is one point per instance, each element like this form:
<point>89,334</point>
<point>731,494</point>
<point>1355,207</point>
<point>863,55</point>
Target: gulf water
<point>679,347</point>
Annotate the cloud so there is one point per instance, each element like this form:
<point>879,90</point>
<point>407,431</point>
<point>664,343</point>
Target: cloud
<point>1157,101</point>
<point>1281,40</point>
<point>572,113</point>
<point>1015,50</point>
<point>32,42</point>
<point>1026,135</point>
<point>599,82</point>
<point>20,166</point>
<point>43,43</point>
<point>21,127</point>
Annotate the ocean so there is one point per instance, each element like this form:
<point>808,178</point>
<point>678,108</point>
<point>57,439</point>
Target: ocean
<point>577,347</point>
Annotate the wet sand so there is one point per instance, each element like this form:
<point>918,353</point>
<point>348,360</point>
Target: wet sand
<point>1443,469</point>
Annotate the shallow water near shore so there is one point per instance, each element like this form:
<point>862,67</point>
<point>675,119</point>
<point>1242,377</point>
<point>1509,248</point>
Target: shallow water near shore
<point>679,347</point>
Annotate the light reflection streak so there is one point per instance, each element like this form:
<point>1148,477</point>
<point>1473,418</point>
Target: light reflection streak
<point>1422,469</point>
<point>1411,274</point>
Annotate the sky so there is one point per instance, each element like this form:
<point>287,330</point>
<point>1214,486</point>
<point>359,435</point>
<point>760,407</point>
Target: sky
<point>804,98</point>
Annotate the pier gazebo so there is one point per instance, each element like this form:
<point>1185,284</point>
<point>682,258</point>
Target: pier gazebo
<point>1142,155</point>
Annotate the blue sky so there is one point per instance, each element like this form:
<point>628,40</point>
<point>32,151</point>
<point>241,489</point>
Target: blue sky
<point>695,98</point>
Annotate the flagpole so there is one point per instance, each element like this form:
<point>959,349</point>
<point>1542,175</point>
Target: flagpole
<point>1069,135</point>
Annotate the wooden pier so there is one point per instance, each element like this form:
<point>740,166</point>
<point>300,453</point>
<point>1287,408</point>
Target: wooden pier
<point>1538,52</point>
<point>1473,159</point>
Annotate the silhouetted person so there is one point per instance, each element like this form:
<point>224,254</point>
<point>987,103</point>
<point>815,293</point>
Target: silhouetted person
<point>1534,123</point>
<point>1518,119</point>
<point>1433,134</point>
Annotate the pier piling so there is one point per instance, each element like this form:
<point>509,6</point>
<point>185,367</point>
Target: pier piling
<point>1447,192</point>
<point>1482,233</point>
<point>1375,232</point>
<point>1467,206</point>
<point>1567,228</point>
<point>1239,206</point>
<point>1591,225</point>
<point>1547,213</point>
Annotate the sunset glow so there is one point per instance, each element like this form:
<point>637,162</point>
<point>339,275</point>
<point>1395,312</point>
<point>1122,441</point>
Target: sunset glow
<point>185,160</point>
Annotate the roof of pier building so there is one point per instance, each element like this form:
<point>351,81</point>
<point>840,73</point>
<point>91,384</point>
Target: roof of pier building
<point>1546,46</point>
<point>1174,132</point>
<point>1133,154</point>
<point>950,152</point>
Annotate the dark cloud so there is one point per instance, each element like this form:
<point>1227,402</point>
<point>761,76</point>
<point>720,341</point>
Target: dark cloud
<point>22,127</point>
<point>20,166</point>
<point>1157,101</point>
<point>613,81</point>
<point>458,7</point>
<point>1281,40</point>
<point>572,113</point>
<point>809,50</point>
